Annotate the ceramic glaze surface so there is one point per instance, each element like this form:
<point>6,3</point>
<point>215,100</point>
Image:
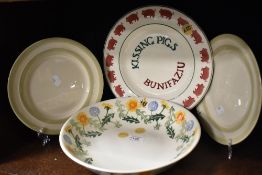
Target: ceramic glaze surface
<point>157,58</point>
<point>55,91</point>
<point>158,52</point>
<point>232,105</point>
<point>50,80</point>
<point>134,134</point>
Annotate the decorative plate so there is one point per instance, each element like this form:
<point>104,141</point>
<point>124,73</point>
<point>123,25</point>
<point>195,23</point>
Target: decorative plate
<point>130,135</point>
<point>50,80</point>
<point>232,105</point>
<point>158,52</point>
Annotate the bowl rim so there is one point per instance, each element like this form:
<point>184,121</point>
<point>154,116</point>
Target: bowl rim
<point>106,170</point>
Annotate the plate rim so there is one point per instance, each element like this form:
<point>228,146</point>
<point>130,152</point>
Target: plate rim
<point>202,107</point>
<point>88,55</point>
<point>208,45</point>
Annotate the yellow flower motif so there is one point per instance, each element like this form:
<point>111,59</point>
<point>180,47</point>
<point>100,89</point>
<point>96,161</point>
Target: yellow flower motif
<point>68,128</point>
<point>180,117</point>
<point>83,118</point>
<point>132,105</point>
<point>165,104</point>
<point>107,106</point>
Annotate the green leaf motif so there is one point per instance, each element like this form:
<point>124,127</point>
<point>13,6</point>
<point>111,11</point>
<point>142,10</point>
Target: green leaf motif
<point>77,127</point>
<point>184,138</point>
<point>118,124</point>
<point>156,117</point>
<point>88,160</point>
<point>120,109</point>
<point>141,114</point>
<point>95,122</point>
<point>78,143</point>
<point>92,134</point>
<point>171,132</point>
<point>131,119</point>
<point>107,119</point>
<point>172,109</point>
<point>73,122</point>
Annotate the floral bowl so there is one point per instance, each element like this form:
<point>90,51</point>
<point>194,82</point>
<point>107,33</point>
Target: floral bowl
<point>130,135</point>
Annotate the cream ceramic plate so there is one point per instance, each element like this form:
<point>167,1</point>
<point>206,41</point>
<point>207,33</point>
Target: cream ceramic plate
<point>158,52</point>
<point>50,80</point>
<point>232,105</point>
<point>130,135</point>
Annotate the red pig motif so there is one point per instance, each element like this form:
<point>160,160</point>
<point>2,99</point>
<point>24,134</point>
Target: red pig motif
<point>199,89</point>
<point>182,21</point>
<point>109,60</point>
<point>119,90</point>
<point>132,18</point>
<point>111,44</point>
<point>197,37</point>
<point>119,29</point>
<point>205,73</point>
<point>111,76</point>
<point>204,55</point>
<point>188,102</point>
<point>166,13</point>
<point>149,13</point>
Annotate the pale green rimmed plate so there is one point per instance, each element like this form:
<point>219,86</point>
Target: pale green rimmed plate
<point>50,80</point>
<point>232,105</point>
<point>130,135</point>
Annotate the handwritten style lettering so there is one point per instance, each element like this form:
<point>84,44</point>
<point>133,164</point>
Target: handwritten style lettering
<point>169,83</point>
<point>149,41</point>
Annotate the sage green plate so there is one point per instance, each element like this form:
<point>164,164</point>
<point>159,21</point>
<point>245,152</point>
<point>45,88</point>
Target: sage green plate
<point>232,105</point>
<point>50,80</point>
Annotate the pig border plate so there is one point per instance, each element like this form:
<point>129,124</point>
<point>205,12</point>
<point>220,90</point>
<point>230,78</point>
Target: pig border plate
<point>181,34</point>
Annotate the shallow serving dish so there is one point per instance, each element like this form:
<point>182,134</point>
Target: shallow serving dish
<point>158,52</point>
<point>130,135</point>
<point>50,80</point>
<point>232,105</point>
